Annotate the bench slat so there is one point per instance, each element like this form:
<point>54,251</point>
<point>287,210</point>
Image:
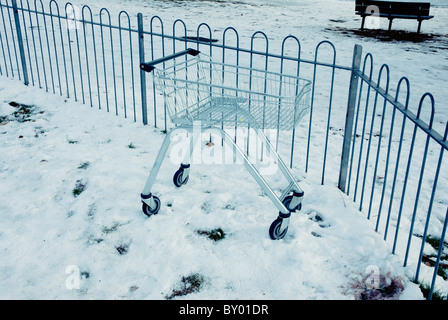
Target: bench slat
<point>399,8</point>
<point>400,16</point>
<point>394,10</point>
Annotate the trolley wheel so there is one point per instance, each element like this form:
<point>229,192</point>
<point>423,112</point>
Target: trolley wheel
<point>148,211</point>
<point>286,202</point>
<point>179,178</point>
<point>274,230</point>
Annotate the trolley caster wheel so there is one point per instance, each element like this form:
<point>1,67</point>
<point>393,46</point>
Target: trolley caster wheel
<point>287,201</point>
<point>274,230</point>
<point>179,178</point>
<point>147,209</point>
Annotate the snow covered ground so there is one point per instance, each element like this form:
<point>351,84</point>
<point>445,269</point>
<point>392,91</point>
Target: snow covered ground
<point>98,245</point>
<point>48,234</point>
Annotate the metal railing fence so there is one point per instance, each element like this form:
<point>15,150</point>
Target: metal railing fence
<point>389,160</point>
<point>397,169</point>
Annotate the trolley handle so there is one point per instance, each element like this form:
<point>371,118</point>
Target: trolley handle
<point>149,66</point>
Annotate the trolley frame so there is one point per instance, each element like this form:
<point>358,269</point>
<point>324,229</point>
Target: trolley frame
<point>184,112</point>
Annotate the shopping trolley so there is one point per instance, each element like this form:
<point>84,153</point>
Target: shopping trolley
<point>197,89</point>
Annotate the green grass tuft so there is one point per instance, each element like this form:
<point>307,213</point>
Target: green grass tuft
<point>436,295</point>
<point>84,165</point>
<point>188,285</point>
<point>215,234</point>
<point>79,188</point>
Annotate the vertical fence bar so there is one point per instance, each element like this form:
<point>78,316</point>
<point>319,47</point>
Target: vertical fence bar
<point>378,151</point>
<point>69,26</point>
<point>27,43</point>
<point>34,45</point>
<point>79,54</point>
<point>129,31</point>
<point>20,41</point>
<point>55,45</point>
<point>86,51</point>
<point>419,185</point>
<point>386,170</point>
<point>329,111</point>
<point>40,42</point>
<point>141,50</point>
<point>350,116</point>
<point>14,47</point>
<point>104,57</point>
<point>368,56</point>
<point>3,51</point>
<point>439,253</point>
<point>425,232</point>
<point>6,39</point>
<point>48,43</point>
<point>162,39</point>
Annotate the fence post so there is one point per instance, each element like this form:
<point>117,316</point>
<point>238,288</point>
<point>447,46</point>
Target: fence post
<point>20,41</point>
<point>351,104</point>
<point>141,50</point>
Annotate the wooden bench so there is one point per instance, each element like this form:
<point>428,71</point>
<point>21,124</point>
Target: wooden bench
<point>393,10</point>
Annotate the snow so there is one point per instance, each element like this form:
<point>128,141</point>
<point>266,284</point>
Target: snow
<point>99,245</point>
<point>46,231</point>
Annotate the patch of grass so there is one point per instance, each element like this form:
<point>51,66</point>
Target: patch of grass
<point>430,259</point>
<point>188,285</point>
<point>112,228</point>
<point>215,234</point>
<point>84,165</point>
<point>435,242</point>
<point>79,188</point>
<point>23,112</point>
<point>122,249</point>
<point>91,240</point>
<point>436,295</point>
<point>229,207</point>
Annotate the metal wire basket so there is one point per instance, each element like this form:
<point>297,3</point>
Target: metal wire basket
<point>198,88</point>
